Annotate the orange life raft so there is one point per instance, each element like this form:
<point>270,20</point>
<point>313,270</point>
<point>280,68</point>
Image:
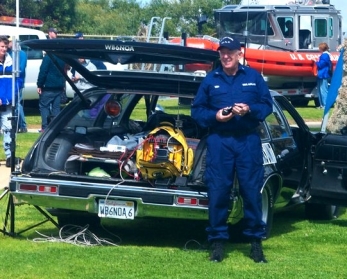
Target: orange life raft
<point>267,62</point>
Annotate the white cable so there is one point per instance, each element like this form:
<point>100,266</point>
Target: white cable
<point>76,235</point>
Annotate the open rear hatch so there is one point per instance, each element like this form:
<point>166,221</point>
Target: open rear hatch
<point>329,181</point>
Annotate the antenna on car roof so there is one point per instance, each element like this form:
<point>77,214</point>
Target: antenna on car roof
<point>178,121</point>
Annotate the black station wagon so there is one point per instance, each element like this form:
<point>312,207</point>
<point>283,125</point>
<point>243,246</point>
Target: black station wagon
<point>128,148</point>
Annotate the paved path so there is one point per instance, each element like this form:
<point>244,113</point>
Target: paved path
<point>4,175</point>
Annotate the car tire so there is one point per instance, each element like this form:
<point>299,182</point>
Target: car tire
<point>301,103</point>
<point>316,211</point>
<point>267,196</point>
<point>268,207</point>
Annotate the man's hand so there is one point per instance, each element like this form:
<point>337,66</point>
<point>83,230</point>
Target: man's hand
<point>223,118</point>
<point>241,109</point>
<point>39,91</point>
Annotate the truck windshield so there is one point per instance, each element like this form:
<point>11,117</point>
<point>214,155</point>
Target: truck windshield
<point>235,23</point>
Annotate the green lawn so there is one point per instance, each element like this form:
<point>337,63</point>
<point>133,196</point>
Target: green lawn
<point>173,249</point>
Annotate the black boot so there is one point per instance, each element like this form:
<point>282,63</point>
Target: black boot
<point>217,253</point>
<point>257,251</point>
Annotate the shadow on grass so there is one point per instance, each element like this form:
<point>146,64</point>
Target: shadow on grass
<point>155,232</point>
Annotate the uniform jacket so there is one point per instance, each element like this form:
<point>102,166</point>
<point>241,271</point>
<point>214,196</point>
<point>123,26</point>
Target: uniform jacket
<point>82,84</point>
<point>324,66</point>
<point>6,81</point>
<point>218,91</point>
<point>50,78</point>
<point>22,64</point>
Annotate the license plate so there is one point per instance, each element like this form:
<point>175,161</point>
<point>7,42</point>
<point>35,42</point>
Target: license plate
<point>116,209</point>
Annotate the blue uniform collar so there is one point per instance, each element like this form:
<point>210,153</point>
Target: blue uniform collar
<point>219,71</point>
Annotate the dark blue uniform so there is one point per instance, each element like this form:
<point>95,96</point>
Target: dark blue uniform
<point>233,146</point>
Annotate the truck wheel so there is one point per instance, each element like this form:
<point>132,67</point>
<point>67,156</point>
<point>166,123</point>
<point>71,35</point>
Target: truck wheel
<point>316,211</point>
<point>300,102</point>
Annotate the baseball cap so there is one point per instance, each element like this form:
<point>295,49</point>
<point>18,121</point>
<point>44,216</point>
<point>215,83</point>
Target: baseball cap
<point>78,35</point>
<point>52,29</point>
<point>229,43</point>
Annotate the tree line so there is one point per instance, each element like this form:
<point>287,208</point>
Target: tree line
<point>120,17</point>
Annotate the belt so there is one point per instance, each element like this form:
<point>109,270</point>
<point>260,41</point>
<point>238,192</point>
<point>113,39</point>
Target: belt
<point>239,133</point>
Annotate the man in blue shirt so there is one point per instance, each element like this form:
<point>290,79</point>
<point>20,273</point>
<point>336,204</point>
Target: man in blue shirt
<point>98,63</point>
<point>232,101</point>
<point>6,68</point>
<point>50,86</point>
<point>22,125</point>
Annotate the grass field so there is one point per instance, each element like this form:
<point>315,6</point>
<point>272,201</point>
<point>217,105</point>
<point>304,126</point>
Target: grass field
<point>148,248</point>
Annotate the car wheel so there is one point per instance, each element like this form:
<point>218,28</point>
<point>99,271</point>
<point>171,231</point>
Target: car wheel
<point>268,207</point>
<point>300,102</point>
<point>321,211</point>
<point>79,219</point>
<point>267,198</point>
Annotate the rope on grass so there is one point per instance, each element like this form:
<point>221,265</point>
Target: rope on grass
<point>76,235</point>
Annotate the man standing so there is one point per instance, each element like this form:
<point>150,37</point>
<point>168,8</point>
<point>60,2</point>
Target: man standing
<point>81,83</point>
<point>232,101</point>
<point>50,86</point>
<point>98,63</point>
<point>6,68</point>
<point>22,125</point>
<point>52,33</point>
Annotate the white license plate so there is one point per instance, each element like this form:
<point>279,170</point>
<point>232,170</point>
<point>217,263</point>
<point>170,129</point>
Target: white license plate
<point>116,209</point>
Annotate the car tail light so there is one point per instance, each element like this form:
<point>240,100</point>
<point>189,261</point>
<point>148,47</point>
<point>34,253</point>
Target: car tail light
<point>203,202</point>
<point>192,201</point>
<point>50,189</point>
<point>28,187</point>
<point>187,201</point>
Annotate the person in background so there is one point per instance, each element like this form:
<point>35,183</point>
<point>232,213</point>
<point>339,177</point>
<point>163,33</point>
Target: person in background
<point>52,33</point>
<point>6,68</point>
<point>324,67</point>
<point>231,101</point>
<point>81,83</point>
<point>22,125</point>
<point>289,32</point>
<point>50,86</point>
<point>98,63</point>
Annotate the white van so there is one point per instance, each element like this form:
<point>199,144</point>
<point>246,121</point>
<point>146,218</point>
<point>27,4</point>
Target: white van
<point>34,56</point>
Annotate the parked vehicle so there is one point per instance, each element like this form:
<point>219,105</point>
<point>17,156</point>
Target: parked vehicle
<point>34,56</point>
<point>284,59</point>
<point>129,149</point>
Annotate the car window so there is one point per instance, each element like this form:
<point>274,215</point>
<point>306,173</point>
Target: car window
<point>280,132</point>
<point>94,116</point>
<point>31,54</point>
<point>277,126</point>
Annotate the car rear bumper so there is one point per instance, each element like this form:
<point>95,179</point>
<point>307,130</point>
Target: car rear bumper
<point>70,195</point>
